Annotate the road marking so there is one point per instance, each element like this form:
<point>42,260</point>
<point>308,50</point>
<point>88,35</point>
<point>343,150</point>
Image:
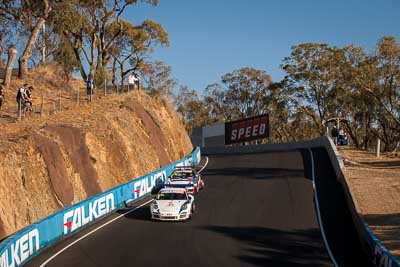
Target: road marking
<point>204,166</point>
<point>91,232</point>
<point>319,213</point>
<point>101,226</point>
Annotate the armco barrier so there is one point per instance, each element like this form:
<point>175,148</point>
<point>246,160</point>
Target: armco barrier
<point>380,256</point>
<point>31,240</point>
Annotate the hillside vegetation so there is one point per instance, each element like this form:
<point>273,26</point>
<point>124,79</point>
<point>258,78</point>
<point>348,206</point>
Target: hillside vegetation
<point>52,162</point>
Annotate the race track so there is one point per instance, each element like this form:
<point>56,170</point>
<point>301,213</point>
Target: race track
<point>256,210</point>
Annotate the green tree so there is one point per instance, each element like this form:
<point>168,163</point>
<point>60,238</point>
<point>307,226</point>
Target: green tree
<point>92,28</point>
<point>378,79</point>
<point>193,112</point>
<point>134,44</point>
<point>312,72</point>
<point>157,78</point>
<point>243,93</point>
<point>30,15</point>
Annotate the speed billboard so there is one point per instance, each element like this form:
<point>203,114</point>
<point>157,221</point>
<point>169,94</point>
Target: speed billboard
<point>247,129</point>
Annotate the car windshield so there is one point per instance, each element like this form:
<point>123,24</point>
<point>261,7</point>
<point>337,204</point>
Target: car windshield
<point>181,175</point>
<point>171,196</point>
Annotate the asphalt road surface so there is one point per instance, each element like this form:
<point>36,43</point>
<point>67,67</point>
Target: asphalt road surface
<point>255,210</point>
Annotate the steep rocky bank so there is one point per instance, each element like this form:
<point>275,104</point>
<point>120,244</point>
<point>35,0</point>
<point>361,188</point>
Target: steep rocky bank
<point>50,163</point>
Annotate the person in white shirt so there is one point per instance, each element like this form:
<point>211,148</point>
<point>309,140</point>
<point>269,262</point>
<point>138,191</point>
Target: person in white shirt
<point>132,80</point>
<point>137,81</point>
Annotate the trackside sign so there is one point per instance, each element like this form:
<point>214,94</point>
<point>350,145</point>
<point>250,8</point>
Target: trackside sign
<point>20,249</point>
<point>247,129</point>
<point>88,212</point>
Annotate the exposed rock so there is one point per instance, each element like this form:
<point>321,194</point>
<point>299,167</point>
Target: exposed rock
<point>74,143</point>
<point>59,180</point>
<point>69,156</point>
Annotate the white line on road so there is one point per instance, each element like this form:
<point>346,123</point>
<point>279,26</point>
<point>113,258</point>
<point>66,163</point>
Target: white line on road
<point>91,232</point>
<point>319,213</point>
<point>101,226</point>
<point>204,166</point>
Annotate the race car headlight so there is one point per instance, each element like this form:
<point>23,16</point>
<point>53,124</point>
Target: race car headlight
<point>184,207</point>
<point>155,206</point>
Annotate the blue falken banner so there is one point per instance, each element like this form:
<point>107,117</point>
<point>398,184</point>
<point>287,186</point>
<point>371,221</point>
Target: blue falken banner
<point>25,244</point>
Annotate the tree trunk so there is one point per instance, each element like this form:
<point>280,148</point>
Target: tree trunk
<point>122,76</point>
<point>12,55</point>
<point>78,58</point>
<point>1,59</point>
<point>353,134</point>
<point>114,72</point>
<point>27,54</point>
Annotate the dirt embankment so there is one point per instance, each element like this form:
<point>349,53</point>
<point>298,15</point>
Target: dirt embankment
<point>375,183</point>
<point>47,164</point>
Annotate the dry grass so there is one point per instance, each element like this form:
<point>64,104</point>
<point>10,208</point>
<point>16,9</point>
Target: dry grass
<point>47,80</point>
<point>50,84</point>
<point>375,183</point>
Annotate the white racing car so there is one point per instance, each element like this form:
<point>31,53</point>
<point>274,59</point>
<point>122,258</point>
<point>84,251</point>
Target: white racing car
<point>172,204</point>
<point>186,176</point>
<point>182,182</point>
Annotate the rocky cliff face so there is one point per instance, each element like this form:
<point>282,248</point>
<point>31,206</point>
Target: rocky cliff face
<point>48,164</point>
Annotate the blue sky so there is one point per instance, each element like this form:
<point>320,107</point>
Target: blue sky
<point>212,37</point>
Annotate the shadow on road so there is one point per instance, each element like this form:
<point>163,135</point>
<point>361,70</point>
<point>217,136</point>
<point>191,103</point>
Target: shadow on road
<point>257,173</point>
<point>273,247</point>
<point>142,214</point>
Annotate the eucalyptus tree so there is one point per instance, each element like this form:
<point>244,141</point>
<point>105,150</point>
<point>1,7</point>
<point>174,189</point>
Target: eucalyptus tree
<point>194,112</point>
<point>378,79</point>
<point>131,49</point>
<point>157,77</point>
<point>87,25</point>
<point>30,16</point>
<point>312,72</point>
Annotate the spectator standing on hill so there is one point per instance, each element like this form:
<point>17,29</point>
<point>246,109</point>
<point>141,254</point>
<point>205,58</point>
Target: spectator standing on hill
<point>341,132</point>
<point>28,101</point>
<point>21,97</point>
<point>132,80</point>
<point>335,134</point>
<point>90,83</point>
<point>137,81</point>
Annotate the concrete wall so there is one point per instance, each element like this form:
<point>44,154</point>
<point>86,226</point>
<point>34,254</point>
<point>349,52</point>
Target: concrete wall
<point>197,136</point>
<point>214,141</point>
<point>209,136</point>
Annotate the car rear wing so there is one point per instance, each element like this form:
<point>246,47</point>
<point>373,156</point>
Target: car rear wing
<point>157,188</point>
